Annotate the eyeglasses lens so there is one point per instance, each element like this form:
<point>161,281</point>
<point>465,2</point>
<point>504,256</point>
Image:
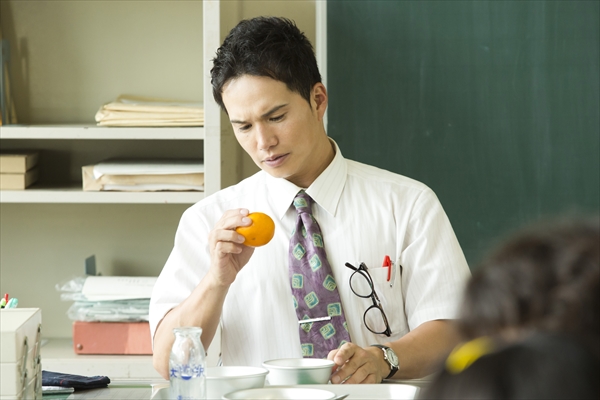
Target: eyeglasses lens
<point>361,285</point>
<point>375,320</point>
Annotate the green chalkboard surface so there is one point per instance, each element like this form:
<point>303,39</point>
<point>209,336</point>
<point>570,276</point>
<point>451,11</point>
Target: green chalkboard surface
<point>493,104</point>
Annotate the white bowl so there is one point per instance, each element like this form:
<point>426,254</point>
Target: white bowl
<point>222,380</point>
<point>281,394</point>
<point>299,371</point>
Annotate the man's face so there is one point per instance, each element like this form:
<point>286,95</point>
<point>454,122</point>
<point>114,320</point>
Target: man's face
<point>277,127</point>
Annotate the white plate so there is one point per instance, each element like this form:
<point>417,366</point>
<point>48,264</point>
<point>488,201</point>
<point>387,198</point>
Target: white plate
<point>281,393</point>
<point>368,391</point>
<point>355,392</point>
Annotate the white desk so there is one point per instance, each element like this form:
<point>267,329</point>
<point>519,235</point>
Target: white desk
<point>58,356</point>
<point>160,391</point>
<point>133,377</point>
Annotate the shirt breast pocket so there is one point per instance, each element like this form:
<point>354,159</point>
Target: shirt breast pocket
<point>390,297</point>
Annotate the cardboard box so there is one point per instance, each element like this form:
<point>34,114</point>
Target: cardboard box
<point>18,181</point>
<point>18,162</point>
<point>111,338</point>
<point>20,367</point>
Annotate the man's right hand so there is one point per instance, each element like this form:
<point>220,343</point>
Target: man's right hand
<point>204,305</point>
<point>227,253</point>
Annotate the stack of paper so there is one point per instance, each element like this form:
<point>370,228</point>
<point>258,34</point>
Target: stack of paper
<point>146,111</point>
<point>118,287</point>
<point>144,175</point>
<point>110,314</point>
<point>108,298</point>
<point>18,170</point>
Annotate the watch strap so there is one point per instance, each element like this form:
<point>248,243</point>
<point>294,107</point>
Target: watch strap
<point>393,368</point>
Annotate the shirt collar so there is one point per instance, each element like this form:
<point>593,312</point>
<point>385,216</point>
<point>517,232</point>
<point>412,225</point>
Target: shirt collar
<point>326,190</point>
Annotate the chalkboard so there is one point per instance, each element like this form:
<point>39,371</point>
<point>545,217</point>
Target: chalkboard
<point>493,104</point>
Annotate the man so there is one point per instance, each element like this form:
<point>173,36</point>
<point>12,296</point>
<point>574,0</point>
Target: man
<point>266,78</point>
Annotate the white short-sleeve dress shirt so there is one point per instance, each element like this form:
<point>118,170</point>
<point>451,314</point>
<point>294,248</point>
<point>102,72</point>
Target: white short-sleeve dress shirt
<point>365,213</point>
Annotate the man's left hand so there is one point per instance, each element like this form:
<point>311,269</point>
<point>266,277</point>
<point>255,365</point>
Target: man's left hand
<point>355,364</point>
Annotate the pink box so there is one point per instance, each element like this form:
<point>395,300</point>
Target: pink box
<point>111,338</point>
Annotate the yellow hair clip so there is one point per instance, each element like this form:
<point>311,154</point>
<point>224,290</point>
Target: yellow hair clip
<point>467,353</point>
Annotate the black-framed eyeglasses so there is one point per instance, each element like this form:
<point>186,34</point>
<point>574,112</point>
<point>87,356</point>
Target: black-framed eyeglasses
<point>374,313</point>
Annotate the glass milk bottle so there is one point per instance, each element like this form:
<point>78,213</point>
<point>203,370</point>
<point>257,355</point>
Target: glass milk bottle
<point>186,365</point>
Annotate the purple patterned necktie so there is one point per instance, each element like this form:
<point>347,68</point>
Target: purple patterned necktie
<point>314,289</point>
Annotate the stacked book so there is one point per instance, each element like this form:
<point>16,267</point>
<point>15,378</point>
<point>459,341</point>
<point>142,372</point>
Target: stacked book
<point>18,169</point>
<point>145,111</point>
<point>144,175</point>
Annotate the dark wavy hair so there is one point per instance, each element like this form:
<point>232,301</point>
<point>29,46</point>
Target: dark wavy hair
<point>543,366</point>
<point>266,46</point>
<point>545,278</point>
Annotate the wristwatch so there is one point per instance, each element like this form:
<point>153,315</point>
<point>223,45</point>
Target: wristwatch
<point>391,358</point>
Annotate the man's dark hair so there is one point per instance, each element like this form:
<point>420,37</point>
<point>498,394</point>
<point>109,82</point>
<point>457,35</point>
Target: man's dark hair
<point>266,46</point>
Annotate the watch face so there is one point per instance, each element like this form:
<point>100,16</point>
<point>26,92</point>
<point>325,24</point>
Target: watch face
<point>392,357</point>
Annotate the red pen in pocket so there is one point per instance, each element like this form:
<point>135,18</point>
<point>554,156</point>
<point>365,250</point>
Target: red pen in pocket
<point>387,263</point>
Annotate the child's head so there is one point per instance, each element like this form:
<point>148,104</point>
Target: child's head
<point>543,366</point>
<point>545,278</point>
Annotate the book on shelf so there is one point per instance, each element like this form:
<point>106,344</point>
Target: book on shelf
<point>18,162</point>
<point>8,114</point>
<point>18,181</point>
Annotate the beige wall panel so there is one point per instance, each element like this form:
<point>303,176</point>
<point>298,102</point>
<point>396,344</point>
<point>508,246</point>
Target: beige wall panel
<point>69,57</point>
<point>45,244</point>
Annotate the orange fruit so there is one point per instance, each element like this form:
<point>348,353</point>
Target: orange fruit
<point>260,232</point>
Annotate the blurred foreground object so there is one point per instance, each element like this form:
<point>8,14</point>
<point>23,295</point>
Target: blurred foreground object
<point>545,278</point>
<point>544,366</point>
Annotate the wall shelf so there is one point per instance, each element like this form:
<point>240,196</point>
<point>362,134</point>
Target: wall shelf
<point>84,131</point>
<point>74,194</point>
